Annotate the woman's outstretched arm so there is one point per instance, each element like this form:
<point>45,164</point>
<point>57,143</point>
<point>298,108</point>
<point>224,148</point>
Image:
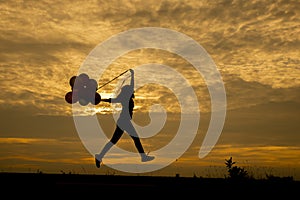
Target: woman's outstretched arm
<point>106,100</point>
<point>120,97</point>
<point>132,79</point>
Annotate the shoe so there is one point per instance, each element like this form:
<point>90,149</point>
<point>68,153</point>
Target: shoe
<point>146,158</point>
<point>98,161</point>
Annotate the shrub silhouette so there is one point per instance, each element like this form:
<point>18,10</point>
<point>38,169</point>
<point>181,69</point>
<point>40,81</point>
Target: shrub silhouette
<point>235,172</point>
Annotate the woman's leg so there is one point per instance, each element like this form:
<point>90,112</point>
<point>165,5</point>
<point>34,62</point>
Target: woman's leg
<point>117,135</point>
<point>138,144</point>
<point>115,138</point>
<point>132,132</point>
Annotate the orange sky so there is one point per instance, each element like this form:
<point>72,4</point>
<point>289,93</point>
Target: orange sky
<point>254,44</point>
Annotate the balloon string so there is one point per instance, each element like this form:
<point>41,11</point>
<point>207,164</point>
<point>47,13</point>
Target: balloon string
<point>112,79</point>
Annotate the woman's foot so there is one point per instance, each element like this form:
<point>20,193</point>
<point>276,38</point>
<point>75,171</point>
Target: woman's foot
<point>98,160</point>
<point>146,158</point>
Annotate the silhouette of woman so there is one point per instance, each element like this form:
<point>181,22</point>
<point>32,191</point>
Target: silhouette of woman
<point>124,123</point>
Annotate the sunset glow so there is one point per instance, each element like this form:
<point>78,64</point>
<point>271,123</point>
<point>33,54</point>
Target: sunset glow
<point>254,44</point>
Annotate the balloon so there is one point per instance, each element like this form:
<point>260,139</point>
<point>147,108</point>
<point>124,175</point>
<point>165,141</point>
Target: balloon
<point>97,99</point>
<point>71,97</point>
<point>84,90</point>
<point>72,81</point>
<point>93,84</point>
<point>75,96</point>
<point>84,76</point>
<point>84,80</point>
<point>81,81</point>
<point>86,94</point>
<point>83,102</point>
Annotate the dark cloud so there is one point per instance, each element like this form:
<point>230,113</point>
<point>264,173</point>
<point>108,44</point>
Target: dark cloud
<point>272,123</point>
<point>241,93</point>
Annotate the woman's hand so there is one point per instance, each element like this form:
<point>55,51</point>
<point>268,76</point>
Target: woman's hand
<point>131,71</point>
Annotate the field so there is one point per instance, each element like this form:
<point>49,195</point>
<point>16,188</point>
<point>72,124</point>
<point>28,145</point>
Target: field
<point>76,185</point>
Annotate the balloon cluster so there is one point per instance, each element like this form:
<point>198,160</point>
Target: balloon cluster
<point>84,90</point>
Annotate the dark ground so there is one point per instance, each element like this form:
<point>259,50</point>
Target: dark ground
<point>77,185</point>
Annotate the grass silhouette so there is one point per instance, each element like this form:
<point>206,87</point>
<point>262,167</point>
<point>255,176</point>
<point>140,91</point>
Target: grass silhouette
<point>237,180</point>
<point>236,172</point>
